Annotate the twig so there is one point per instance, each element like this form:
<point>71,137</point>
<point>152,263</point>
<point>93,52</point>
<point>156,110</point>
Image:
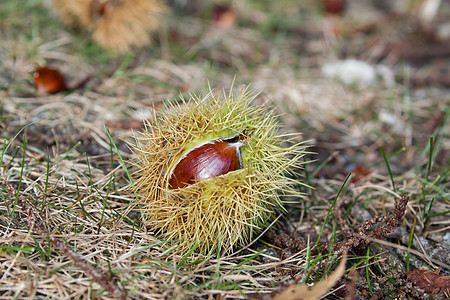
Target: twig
<point>364,237</point>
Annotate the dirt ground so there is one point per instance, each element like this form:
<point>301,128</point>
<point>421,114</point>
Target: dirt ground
<point>368,86</point>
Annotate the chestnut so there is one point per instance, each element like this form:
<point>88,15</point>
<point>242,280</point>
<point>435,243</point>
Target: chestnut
<point>48,80</point>
<point>211,172</point>
<point>208,160</point>
<point>116,25</point>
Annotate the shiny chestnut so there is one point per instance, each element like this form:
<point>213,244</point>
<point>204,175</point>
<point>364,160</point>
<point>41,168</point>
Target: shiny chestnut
<point>49,80</point>
<point>212,159</point>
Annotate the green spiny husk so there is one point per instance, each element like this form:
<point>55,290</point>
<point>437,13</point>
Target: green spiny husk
<point>222,211</point>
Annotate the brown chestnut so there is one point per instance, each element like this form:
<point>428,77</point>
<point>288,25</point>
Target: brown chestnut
<point>215,158</point>
<point>246,173</point>
<point>48,81</point>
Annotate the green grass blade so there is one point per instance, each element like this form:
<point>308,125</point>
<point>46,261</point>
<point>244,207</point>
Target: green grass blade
<point>408,255</point>
<point>20,177</point>
<point>331,208</point>
<point>130,179</point>
<point>389,169</point>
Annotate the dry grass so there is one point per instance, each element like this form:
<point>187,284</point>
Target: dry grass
<point>69,226</point>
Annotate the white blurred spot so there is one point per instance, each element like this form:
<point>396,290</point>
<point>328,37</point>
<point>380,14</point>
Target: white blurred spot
<point>350,71</point>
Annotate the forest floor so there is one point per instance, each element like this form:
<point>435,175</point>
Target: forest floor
<point>378,133</point>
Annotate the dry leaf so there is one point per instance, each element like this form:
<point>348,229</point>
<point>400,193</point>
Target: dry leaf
<point>304,292</point>
<point>360,172</point>
<point>430,282</point>
<point>350,286</point>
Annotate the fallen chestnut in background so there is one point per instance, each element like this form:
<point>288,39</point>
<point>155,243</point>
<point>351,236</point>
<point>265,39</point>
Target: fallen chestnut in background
<point>48,80</point>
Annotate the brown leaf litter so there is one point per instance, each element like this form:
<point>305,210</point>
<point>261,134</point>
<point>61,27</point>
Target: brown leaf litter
<point>430,282</point>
